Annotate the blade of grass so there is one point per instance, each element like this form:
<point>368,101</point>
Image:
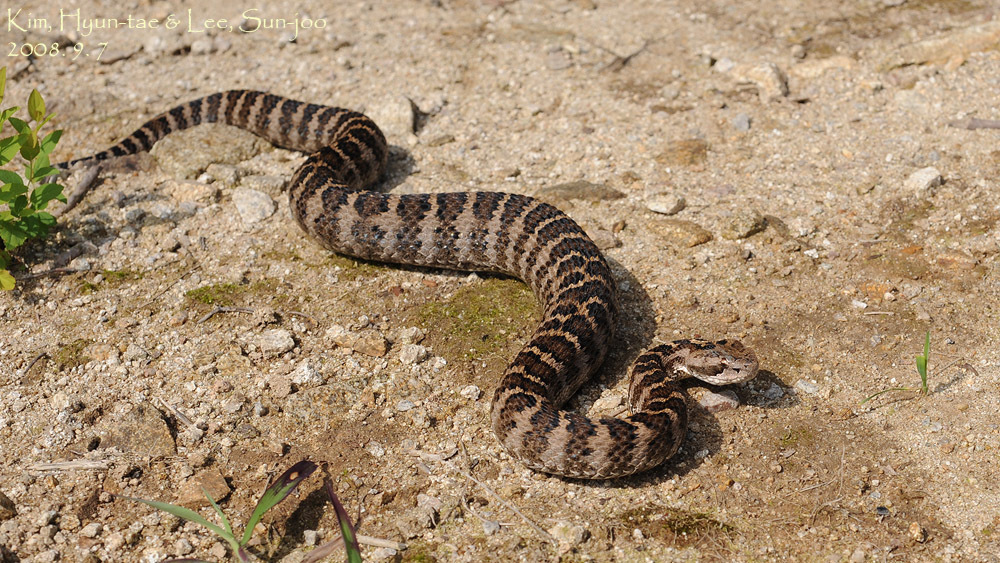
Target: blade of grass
<point>188,514</point>
<point>222,515</point>
<point>884,391</point>
<point>346,528</point>
<point>277,492</point>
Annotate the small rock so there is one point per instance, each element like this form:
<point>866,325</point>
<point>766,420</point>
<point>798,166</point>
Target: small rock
<point>666,203</point>
<point>271,186</point>
<point>773,392</point>
<point>740,122</point>
<point>46,517</point>
<point>142,431</point>
<point>183,547</point>
<point>412,354</point>
<point>410,335</point>
<point>135,353</point>
<point>858,556</point>
<point>307,375</point>
<point>604,239</point>
<point>191,493</point>
<point>375,449</point>
<point>718,402</point>
<point>252,205</point>
<point>225,173</point>
<point>259,409</point>
<point>490,527</point>
<point>558,59</point>
<point>470,392</point>
<point>280,385</point>
<point>771,82</point>
<point>568,535</point>
<point>917,532</point>
<point>90,530</point>
<point>743,224</point>
<point>274,342</point>
<point>923,180</point>
<point>684,153</point>
<point>8,509</point>
<point>679,232</point>
<point>382,553</point>
<point>369,341</point>
<point>807,387</point>
<point>310,537</point>
<point>580,189</point>
<point>608,403</point>
<point>405,405</point>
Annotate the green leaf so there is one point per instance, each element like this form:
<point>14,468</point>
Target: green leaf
<point>19,124</point>
<point>10,191</point>
<point>222,515</point>
<point>277,491</point>
<point>17,206</point>
<point>36,105</point>
<point>12,235</point>
<point>7,113</point>
<point>42,195</point>
<point>346,528</point>
<point>9,148</point>
<point>37,225</point>
<point>50,140</point>
<point>9,177</point>
<point>29,145</point>
<point>185,513</point>
<point>6,280</point>
<point>3,84</point>
<point>43,171</point>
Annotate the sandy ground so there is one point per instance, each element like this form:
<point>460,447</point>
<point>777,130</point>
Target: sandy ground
<point>809,177</point>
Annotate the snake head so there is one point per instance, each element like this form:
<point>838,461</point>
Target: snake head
<point>723,362</point>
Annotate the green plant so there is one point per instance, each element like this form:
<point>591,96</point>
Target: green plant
<point>922,361</point>
<point>27,196</point>
<point>275,493</point>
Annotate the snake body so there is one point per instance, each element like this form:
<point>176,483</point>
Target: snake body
<point>481,231</point>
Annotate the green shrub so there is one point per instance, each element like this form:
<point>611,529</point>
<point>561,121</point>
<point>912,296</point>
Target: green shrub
<point>23,198</point>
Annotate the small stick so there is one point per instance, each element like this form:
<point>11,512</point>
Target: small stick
<point>81,190</point>
<point>491,492</point>
<point>46,355</point>
<point>972,123</point>
<point>879,313</point>
<point>218,310</point>
<point>52,272</point>
<point>85,464</point>
<point>180,416</point>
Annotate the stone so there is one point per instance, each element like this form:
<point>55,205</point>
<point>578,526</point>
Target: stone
<point>188,153</point>
<point>684,153</point>
<point>743,224</point>
<point>91,530</point>
<point>568,535</point>
<point>719,402</point>
<point>412,354</point>
<point>274,342</point>
<point>305,374</point>
<point>470,392</point>
<point>142,431</point>
<point>807,387</point>
<point>252,205</point>
<point>192,492</point>
<point>740,122</point>
<point>665,203</point>
<point>923,180</point>
<point>368,341</point>
<point>396,117</point>
<point>773,392</point>
<point>678,232</point>
<point>8,509</point>
<point>771,82</point>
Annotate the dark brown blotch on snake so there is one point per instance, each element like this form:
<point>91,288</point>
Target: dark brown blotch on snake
<point>481,231</point>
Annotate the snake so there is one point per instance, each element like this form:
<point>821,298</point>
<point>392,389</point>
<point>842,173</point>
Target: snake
<point>330,197</point>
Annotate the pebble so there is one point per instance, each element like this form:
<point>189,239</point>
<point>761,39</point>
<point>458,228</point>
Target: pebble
<point>410,335</point>
<point>280,385</point>
<point>412,354</point>
<point>142,431</point>
<point>568,535</point>
<point>183,547</point>
<point>923,180</point>
<point>740,122</point>
<point>405,405</point>
<point>225,173</point>
<point>374,448</point>
<point>259,409</point>
<point>666,203</point>
<point>807,387</point>
<point>684,153</point>
<point>306,374</point>
<point>274,342</point>
<point>608,403</point>
<point>603,238</point>
<point>369,341</point>
<point>90,530</point>
<point>917,532</point>
<point>211,481</point>
<point>858,556</point>
<point>470,392</point>
<point>581,189</point>
<point>721,401</point>
<point>743,224</point>
<point>8,509</point>
<point>678,232</point>
<point>252,205</point>
<point>558,59</point>
<point>773,392</point>
<point>310,537</point>
<point>771,82</point>
<point>135,353</point>
<point>490,527</point>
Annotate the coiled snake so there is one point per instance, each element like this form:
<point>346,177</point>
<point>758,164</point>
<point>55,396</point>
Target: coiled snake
<point>481,231</point>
